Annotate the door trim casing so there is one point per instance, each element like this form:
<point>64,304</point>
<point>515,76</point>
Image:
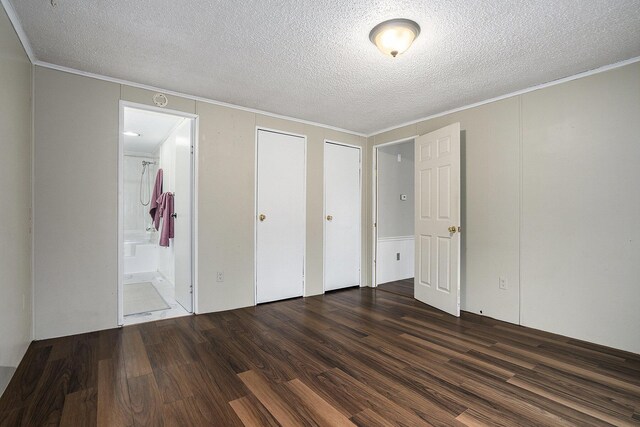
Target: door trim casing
<point>255,209</point>
<point>122,104</point>
<point>374,202</point>
<point>324,210</point>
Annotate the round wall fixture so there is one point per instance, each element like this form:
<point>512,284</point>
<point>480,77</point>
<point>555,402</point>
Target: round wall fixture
<point>394,36</point>
<point>160,99</point>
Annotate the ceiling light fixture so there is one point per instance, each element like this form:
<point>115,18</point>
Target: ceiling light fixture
<point>394,36</point>
<point>129,133</point>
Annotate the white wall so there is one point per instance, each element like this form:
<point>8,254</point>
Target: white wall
<point>549,202</point>
<point>395,216</point>
<point>170,168</point>
<point>15,181</point>
<point>76,151</point>
<point>388,267</point>
<point>136,216</point>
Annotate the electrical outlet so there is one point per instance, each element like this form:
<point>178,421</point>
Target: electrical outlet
<point>502,283</point>
<point>220,277</point>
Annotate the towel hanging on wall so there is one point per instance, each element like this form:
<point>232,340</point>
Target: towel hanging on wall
<point>165,211</point>
<point>155,196</point>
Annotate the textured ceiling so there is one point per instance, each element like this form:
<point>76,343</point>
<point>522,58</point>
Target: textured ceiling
<point>312,59</point>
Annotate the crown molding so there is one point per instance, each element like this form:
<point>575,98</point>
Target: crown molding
<point>13,17</point>
<point>193,97</point>
<point>516,93</point>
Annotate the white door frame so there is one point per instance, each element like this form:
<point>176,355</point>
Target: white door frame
<point>374,202</point>
<point>194,200</point>
<point>255,211</point>
<point>324,211</point>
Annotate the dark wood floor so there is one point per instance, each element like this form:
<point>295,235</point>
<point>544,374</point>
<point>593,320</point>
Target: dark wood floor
<point>353,357</point>
<point>400,287</point>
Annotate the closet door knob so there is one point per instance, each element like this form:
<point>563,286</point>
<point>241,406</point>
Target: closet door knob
<point>262,217</point>
<point>174,215</point>
<point>329,218</point>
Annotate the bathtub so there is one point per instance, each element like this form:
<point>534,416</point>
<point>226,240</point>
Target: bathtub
<point>140,251</point>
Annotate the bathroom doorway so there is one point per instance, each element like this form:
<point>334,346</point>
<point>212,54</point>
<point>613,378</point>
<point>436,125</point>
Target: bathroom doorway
<point>156,214</point>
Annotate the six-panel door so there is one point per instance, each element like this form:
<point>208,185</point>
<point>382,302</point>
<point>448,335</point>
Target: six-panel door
<point>437,219</point>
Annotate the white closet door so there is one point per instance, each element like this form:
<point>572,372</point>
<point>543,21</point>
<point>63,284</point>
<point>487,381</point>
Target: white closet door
<point>342,216</point>
<point>437,178</point>
<point>280,216</point>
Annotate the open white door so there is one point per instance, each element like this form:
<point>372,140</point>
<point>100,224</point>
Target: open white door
<point>182,240</point>
<point>437,219</point>
<point>342,216</point>
<point>280,229</point>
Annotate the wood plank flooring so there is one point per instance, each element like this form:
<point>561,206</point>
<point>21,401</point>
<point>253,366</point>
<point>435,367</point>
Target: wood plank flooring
<point>400,287</point>
<point>355,357</point>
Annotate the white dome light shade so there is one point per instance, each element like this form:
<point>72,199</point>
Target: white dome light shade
<point>394,36</point>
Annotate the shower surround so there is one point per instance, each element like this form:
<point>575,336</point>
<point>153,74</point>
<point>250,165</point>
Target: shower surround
<point>140,238</point>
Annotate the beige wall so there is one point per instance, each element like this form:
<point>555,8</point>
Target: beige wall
<point>75,205</point>
<point>227,196</point>
<point>537,151</point>
<point>490,215</point>
<point>576,146</point>
<point>15,181</point>
<point>580,208</point>
<point>76,197</point>
<point>225,208</point>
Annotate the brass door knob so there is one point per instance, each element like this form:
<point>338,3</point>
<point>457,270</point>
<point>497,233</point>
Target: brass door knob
<point>329,218</point>
<point>453,229</point>
<point>262,217</point>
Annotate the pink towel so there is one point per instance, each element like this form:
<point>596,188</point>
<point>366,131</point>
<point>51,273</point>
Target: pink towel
<point>165,210</point>
<point>155,196</point>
